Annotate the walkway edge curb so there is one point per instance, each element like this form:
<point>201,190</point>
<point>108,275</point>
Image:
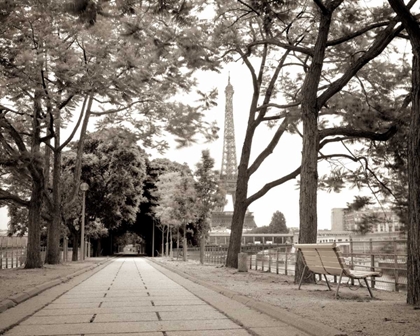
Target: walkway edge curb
<point>16,299</point>
<point>310,327</point>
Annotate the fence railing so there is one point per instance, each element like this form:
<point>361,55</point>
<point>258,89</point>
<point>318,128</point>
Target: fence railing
<point>13,252</point>
<point>388,256</point>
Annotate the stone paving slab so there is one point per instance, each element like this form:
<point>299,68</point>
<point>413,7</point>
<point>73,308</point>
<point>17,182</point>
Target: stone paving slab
<point>248,317</point>
<point>231,332</point>
<point>55,306</point>
<point>85,295</point>
<point>127,317</point>
<point>20,312</point>
<point>132,297</point>
<point>128,298</point>
<point>62,319</point>
<point>112,304</point>
<point>120,327</point>
<point>130,334</point>
<point>141,309</point>
<point>191,315</point>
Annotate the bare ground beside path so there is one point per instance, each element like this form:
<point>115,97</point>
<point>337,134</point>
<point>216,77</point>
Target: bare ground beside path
<point>354,313</point>
<point>16,280</point>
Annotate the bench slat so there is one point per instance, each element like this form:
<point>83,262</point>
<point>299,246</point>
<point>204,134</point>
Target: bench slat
<point>315,269</point>
<point>311,258</point>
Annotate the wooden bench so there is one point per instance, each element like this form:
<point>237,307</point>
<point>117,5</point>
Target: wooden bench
<point>326,259</point>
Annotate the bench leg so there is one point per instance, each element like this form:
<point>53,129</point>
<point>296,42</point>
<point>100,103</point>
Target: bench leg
<point>301,277</point>
<point>367,285</point>
<point>328,284</point>
<point>338,285</point>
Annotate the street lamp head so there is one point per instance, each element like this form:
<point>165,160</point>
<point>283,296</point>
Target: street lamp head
<point>84,186</point>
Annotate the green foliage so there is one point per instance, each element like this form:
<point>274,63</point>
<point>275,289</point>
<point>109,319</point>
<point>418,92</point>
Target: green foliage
<point>368,221</point>
<point>359,202</point>
<point>177,199</point>
<point>128,238</point>
<point>209,193</point>
<point>114,167</point>
<point>277,225</point>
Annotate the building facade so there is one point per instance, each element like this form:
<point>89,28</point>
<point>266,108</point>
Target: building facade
<point>382,220</point>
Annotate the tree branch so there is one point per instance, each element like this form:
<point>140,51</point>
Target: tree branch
<point>271,85</point>
<point>350,132</point>
<point>322,7</point>
<point>278,106</point>
<point>286,46</point>
<point>356,33</point>
<point>271,185</point>
<point>270,147</point>
<point>381,42</point>
<point>120,109</point>
<point>65,143</point>
<point>8,197</point>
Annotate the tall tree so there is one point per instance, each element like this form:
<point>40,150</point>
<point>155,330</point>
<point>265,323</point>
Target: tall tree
<point>411,25</point>
<point>114,167</point>
<point>209,196</point>
<point>177,203</point>
<point>130,56</point>
<point>278,223</point>
<point>302,36</point>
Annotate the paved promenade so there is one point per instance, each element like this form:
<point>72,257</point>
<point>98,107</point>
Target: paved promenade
<point>132,296</point>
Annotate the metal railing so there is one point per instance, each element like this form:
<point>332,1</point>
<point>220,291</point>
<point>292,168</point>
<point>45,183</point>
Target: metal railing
<point>13,252</point>
<point>387,256</point>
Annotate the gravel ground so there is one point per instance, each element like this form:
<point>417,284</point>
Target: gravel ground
<point>16,280</point>
<point>354,312</point>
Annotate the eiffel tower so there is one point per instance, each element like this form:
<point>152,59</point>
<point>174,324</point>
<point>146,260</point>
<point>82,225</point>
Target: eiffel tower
<point>221,218</point>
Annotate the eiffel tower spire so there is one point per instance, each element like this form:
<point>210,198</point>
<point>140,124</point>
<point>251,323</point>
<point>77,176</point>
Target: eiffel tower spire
<point>229,171</point>
<point>221,218</point>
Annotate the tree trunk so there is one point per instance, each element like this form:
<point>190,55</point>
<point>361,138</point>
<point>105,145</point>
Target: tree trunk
<point>167,243</point>
<point>98,248</point>
<point>184,245</point>
<point>235,238</point>
<point>202,249</point>
<point>413,232</point>
<point>53,242</point>
<point>310,143</point>
<point>240,205</point>
<point>33,251</point>
<point>177,244</point>
<point>75,254</point>
<point>171,253</point>
<point>163,241</point>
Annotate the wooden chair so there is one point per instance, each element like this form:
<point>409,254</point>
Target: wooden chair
<point>326,259</point>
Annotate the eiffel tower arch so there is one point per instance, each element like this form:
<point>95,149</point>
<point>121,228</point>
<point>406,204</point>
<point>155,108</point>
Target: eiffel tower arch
<point>221,217</point>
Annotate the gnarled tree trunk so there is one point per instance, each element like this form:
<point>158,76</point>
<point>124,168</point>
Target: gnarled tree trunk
<point>411,25</point>
<point>309,167</point>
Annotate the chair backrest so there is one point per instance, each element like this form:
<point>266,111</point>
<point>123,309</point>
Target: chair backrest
<point>323,258</point>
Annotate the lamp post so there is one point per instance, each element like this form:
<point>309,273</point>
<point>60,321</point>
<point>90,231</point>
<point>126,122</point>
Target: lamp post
<point>83,187</point>
<point>153,238</point>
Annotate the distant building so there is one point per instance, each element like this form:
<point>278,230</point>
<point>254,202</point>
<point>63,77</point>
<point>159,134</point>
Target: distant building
<point>347,220</point>
<point>337,219</point>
